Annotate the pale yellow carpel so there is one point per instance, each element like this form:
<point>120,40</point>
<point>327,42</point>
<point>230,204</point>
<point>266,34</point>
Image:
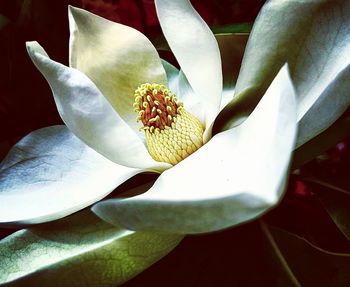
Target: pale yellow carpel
<point>171,132</point>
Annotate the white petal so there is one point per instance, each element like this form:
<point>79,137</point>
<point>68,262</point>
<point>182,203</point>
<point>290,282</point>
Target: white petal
<point>89,115</point>
<point>180,86</point>
<point>172,74</point>
<point>227,95</point>
<point>314,38</point>
<point>115,57</point>
<point>196,50</point>
<point>50,173</point>
<point>192,102</point>
<point>329,105</point>
<point>238,175</point>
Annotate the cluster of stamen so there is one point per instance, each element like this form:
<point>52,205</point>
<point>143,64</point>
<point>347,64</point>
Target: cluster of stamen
<point>171,132</point>
<point>156,106</point>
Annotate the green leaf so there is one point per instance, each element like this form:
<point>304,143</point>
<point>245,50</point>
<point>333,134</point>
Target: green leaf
<point>239,256</point>
<point>236,28</point>
<point>236,111</point>
<point>80,250</point>
<point>4,21</point>
<point>334,194</point>
<point>322,142</point>
<point>253,254</point>
<point>307,264</point>
<point>232,48</point>
<point>277,261</point>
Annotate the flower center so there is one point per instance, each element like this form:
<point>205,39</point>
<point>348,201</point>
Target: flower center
<point>171,132</point>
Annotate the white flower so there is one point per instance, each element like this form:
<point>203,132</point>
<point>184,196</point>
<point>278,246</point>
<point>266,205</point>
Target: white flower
<point>235,176</point>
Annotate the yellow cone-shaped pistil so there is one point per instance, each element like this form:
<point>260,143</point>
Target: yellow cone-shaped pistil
<point>171,132</point>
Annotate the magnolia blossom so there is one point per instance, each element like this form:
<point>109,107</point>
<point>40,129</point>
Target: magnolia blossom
<point>224,180</point>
